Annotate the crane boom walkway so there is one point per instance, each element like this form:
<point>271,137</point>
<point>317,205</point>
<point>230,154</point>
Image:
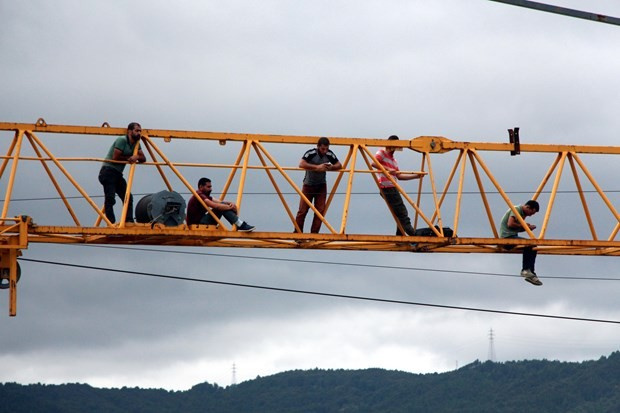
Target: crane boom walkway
<point>65,159</point>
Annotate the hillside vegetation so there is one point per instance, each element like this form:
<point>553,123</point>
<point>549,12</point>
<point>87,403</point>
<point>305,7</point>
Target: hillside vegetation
<point>523,386</point>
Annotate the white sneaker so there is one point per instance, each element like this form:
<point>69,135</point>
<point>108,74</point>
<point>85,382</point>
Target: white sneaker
<point>533,280</point>
<point>531,277</point>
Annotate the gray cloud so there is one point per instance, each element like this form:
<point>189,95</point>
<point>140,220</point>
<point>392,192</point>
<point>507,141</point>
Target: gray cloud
<point>464,70</point>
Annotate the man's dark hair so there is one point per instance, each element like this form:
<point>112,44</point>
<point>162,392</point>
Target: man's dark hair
<point>203,181</point>
<point>393,138</point>
<point>323,141</point>
<point>132,126</point>
<point>533,204</point>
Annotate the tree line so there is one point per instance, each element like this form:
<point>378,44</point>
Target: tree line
<point>520,386</point>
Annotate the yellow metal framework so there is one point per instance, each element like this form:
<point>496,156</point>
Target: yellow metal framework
<point>17,232</point>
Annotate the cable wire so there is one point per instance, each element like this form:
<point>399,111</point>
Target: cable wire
<point>346,264</point>
<point>324,294</point>
<point>596,17</point>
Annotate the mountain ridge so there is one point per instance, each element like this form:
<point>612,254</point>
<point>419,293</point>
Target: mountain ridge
<point>514,386</point>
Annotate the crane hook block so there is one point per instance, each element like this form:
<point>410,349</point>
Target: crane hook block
<point>5,276</point>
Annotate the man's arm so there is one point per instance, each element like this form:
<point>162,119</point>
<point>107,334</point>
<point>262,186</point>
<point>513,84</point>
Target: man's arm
<point>119,156</point>
<point>379,161</point>
<point>140,156</point>
<point>392,171</point>
<point>513,223</point>
<point>334,163</point>
<point>227,206</point>
<point>209,202</point>
<point>303,164</point>
<point>407,177</point>
<point>218,204</point>
<point>335,166</point>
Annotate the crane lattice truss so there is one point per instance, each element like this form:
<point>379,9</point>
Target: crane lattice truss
<point>16,232</point>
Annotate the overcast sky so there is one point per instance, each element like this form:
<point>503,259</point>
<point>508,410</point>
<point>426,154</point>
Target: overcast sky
<point>466,70</point>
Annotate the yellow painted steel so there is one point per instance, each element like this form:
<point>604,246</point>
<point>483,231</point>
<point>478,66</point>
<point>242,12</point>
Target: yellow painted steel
<point>16,233</point>
<point>13,239</point>
<point>9,189</point>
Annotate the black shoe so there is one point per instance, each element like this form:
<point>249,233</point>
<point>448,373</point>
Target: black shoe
<point>245,227</point>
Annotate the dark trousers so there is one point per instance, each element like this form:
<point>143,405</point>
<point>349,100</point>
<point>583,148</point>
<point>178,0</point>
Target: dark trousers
<point>318,194</point>
<point>395,203</point>
<point>229,215</point>
<point>114,184</point>
<point>529,256</point>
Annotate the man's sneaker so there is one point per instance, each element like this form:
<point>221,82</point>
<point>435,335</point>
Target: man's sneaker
<point>531,277</point>
<point>533,280</point>
<point>245,227</point>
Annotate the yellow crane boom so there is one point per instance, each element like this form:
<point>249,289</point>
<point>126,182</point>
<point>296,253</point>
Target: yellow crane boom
<point>267,158</point>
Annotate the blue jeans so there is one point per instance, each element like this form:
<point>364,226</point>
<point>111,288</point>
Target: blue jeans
<point>229,215</point>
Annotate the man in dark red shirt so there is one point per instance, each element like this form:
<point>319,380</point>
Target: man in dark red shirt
<point>197,214</point>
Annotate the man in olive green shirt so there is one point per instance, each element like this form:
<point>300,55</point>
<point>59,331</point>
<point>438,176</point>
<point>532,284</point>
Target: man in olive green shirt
<point>511,227</point>
<point>111,173</point>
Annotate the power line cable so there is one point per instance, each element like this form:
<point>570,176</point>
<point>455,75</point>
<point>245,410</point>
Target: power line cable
<point>348,264</point>
<point>323,294</point>
<point>600,18</point>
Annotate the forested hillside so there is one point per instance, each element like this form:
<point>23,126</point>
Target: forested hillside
<point>524,386</point>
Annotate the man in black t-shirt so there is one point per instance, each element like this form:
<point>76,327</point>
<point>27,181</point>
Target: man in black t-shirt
<point>316,162</point>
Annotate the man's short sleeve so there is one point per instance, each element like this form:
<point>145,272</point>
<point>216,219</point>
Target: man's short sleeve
<point>309,155</point>
<point>332,157</point>
<point>122,145</point>
<point>119,143</point>
<point>379,156</point>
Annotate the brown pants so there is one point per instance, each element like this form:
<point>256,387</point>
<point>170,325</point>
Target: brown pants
<point>318,194</point>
